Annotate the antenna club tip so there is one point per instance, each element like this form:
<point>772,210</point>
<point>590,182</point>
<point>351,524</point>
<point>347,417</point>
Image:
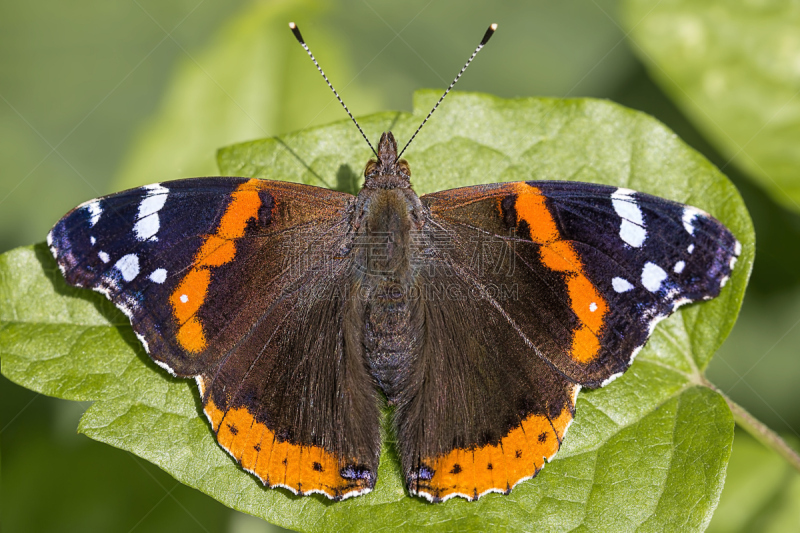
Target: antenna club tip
<point>488,34</point>
<point>296,32</point>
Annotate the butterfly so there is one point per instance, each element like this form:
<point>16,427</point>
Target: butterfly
<point>476,313</point>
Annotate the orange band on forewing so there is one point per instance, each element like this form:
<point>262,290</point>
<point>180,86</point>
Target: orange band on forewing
<point>191,335</point>
<point>559,255</point>
<point>215,252</point>
<point>190,293</point>
<point>244,206</point>
<point>531,208</point>
<point>302,469</point>
<point>519,455</point>
<point>217,249</point>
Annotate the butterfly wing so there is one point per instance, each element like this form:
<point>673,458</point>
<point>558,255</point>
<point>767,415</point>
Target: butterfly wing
<point>479,411</point>
<point>614,261</point>
<point>565,283</point>
<point>216,277</point>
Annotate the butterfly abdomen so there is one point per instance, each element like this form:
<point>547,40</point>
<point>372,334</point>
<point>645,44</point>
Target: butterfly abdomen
<point>391,337</point>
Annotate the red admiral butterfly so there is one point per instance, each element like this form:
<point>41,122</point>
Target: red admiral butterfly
<point>478,312</point>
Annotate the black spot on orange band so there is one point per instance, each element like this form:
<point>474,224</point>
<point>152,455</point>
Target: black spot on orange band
<point>471,473</point>
<point>301,469</point>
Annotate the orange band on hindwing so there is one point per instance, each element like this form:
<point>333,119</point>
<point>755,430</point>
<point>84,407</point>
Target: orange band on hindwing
<point>217,249</point>
<point>585,300</point>
<point>520,455</point>
<point>301,469</point>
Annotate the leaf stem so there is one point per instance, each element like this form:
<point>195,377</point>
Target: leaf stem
<point>758,429</point>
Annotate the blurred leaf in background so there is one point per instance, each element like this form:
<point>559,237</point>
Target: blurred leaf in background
<point>762,492</point>
<point>56,480</point>
<point>733,66</point>
<point>76,80</point>
<point>252,81</point>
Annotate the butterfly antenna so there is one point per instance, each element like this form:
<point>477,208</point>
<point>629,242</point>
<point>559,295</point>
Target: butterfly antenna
<point>486,37</point>
<point>296,32</point>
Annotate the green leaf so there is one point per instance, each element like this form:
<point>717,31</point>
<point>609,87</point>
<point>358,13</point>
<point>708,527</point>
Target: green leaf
<point>647,452</point>
<point>733,66</point>
<point>252,81</point>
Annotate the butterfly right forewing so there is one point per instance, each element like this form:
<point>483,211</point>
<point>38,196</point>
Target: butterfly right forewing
<point>615,262</point>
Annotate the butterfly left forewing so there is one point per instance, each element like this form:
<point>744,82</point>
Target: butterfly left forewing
<point>139,247</point>
<point>136,245</point>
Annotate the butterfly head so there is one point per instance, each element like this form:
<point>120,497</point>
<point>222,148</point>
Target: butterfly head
<point>387,172</point>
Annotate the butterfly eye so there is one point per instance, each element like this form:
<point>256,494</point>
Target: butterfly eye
<point>403,168</point>
<point>372,168</point>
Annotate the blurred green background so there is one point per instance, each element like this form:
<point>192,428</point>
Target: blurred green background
<point>96,96</point>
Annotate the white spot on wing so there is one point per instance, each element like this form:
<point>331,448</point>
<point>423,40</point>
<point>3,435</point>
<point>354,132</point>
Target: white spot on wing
<point>154,201</point>
<point>689,214</point>
<point>148,222</point>
<point>632,234</point>
<point>652,276</point>
<point>92,240</point>
<point>631,230</point>
<point>158,275</point>
<point>184,298</point>
<point>690,249</point>
<point>737,248</point>
<point>593,307</point>
<point>146,227</point>
<point>95,211</point>
<point>128,266</point>
<point>103,256</point>
<point>679,266</point>
<point>621,285</point>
